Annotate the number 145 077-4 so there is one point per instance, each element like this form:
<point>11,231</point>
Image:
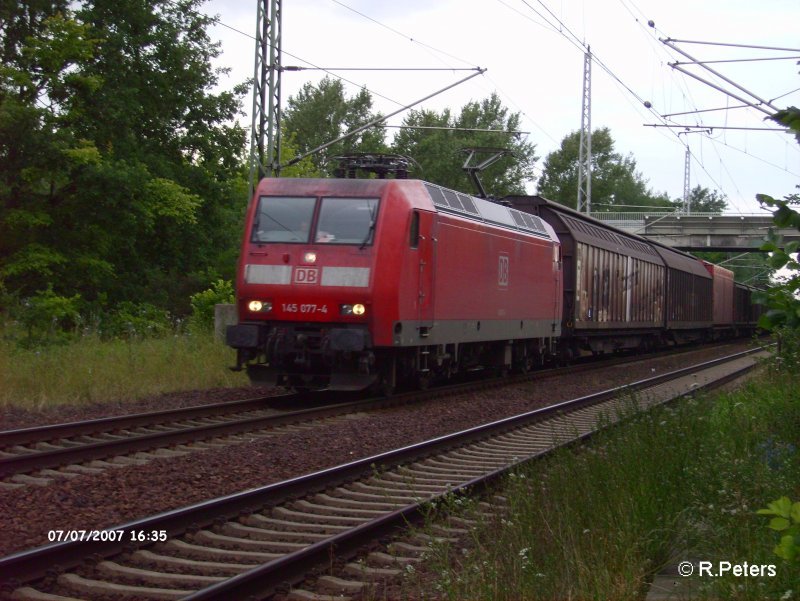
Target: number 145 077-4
<point>303,308</point>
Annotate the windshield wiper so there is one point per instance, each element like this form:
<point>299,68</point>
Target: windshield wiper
<point>369,235</point>
<point>371,226</point>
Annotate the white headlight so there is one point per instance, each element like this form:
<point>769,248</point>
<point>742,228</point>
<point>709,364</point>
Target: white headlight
<point>357,309</point>
<point>257,306</point>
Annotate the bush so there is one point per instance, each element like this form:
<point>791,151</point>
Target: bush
<point>134,320</point>
<point>203,303</point>
<point>49,318</point>
<point>785,521</point>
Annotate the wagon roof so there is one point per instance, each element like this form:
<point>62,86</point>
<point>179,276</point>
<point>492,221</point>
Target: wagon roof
<point>681,261</point>
<point>586,229</point>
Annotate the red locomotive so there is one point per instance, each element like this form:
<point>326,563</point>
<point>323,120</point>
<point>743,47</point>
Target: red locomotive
<point>347,283</point>
<point>350,283</point>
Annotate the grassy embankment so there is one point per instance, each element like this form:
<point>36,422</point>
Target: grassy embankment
<point>679,483</point>
<point>91,370</point>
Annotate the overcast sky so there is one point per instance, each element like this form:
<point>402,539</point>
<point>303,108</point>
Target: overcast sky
<point>537,70</point>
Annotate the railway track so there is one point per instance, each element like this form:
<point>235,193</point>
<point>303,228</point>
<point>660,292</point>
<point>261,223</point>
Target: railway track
<point>259,541</point>
<point>40,456</point>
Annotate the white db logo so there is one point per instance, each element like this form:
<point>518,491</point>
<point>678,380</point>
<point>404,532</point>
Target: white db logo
<point>502,271</point>
<point>306,275</point>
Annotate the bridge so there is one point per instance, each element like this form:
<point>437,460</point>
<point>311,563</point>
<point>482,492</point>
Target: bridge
<point>700,231</point>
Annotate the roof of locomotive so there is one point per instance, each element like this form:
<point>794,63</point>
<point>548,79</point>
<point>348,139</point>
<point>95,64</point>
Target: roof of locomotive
<point>487,211</point>
<point>443,200</point>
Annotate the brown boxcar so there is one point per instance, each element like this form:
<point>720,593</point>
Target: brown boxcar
<point>613,281</point>
<point>723,295</point>
<point>745,312</point>
<point>689,292</point>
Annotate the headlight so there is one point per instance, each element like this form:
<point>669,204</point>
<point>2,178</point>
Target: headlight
<point>357,309</point>
<point>257,306</point>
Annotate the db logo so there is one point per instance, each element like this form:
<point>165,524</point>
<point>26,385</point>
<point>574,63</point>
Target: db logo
<point>306,275</point>
<point>502,271</point>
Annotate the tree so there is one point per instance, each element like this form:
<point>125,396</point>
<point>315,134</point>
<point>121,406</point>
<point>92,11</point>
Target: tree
<point>122,175</point>
<point>616,185</point>
<point>781,299</point>
<point>322,113</point>
<point>439,152</point>
<point>703,200</point>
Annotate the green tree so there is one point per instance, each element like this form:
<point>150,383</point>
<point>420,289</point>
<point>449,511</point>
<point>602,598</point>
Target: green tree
<point>781,299</point>
<point>751,268</point>
<point>125,178</point>
<point>320,114</point>
<point>439,152</point>
<point>616,185</point>
<point>703,200</point>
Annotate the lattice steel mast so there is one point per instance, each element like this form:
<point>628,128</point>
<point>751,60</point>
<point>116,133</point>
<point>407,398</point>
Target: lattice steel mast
<point>584,203</point>
<point>687,192</point>
<point>266,123</point>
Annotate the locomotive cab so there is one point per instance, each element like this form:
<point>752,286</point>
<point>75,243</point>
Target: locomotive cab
<point>304,293</point>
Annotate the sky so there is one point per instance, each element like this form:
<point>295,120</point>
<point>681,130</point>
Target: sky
<point>533,51</point>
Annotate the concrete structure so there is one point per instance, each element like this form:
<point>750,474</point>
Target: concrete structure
<point>224,316</point>
<point>700,231</point>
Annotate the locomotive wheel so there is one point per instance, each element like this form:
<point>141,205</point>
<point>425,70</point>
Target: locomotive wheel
<point>525,365</point>
<point>423,381</point>
<point>384,388</point>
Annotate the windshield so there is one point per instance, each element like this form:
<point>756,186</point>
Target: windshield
<point>283,219</point>
<point>347,220</point>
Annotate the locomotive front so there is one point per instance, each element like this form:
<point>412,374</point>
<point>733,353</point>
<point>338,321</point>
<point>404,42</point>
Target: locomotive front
<point>304,284</point>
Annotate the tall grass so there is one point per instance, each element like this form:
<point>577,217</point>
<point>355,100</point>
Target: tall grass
<point>677,483</point>
<point>90,370</point>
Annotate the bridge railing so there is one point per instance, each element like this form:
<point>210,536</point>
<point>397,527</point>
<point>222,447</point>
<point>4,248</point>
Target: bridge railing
<point>620,219</point>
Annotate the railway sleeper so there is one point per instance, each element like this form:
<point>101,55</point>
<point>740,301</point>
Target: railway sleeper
<point>149,559</point>
<point>389,560</point>
<point>274,537</point>
<point>375,496</point>
<point>327,510</point>
<point>339,586</point>
<point>486,457</point>
<point>380,506</point>
<point>395,481</point>
<point>58,473</point>
<point>127,574</point>
<point>369,573</point>
<point>257,531</point>
<point>316,518</point>
<point>94,589</point>
<point>456,467</point>
<point>293,526</point>
<point>482,461</point>
<point>406,549</point>
<point>304,595</point>
<point>226,541</point>
<point>203,552</point>
<point>28,593</point>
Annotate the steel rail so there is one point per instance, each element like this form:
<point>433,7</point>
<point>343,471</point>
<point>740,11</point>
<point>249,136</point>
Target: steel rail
<point>33,564</point>
<point>122,422</point>
<point>54,458</point>
<point>292,567</point>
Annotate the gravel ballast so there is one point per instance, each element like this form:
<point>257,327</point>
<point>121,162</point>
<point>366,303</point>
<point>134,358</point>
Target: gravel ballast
<point>124,494</point>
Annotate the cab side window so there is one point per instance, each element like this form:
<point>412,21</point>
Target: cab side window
<point>413,233</point>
